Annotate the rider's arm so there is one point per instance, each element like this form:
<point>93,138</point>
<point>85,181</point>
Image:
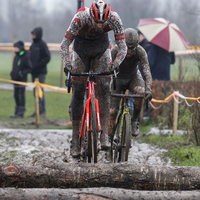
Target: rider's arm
<point>145,66</point>
<point>114,51</point>
<point>116,25</point>
<point>73,29</point>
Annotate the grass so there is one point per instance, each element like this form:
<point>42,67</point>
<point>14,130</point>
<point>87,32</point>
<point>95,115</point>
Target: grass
<point>56,103</point>
<point>56,107</point>
<point>189,69</point>
<point>181,150</point>
<point>167,142</point>
<point>145,127</point>
<point>54,68</point>
<point>185,155</point>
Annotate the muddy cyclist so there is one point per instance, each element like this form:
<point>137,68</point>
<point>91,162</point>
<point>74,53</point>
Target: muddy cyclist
<point>89,30</point>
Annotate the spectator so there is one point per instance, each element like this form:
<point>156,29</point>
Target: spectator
<point>159,61</point>
<point>145,44</point>
<point>143,41</point>
<point>21,67</point>
<point>40,56</point>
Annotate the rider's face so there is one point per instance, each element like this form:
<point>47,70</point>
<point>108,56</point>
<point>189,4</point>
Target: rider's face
<point>130,50</point>
<point>98,26</point>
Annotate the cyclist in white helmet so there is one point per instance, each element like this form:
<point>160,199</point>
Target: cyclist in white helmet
<point>89,29</point>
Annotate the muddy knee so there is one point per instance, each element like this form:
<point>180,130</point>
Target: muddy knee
<point>139,90</point>
<point>77,101</point>
<point>113,113</point>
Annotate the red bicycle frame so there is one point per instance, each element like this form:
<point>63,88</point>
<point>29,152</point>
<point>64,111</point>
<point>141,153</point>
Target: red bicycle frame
<point>87,112</point>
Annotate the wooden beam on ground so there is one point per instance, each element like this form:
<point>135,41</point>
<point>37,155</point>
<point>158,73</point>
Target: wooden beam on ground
<point>85,175</point>
<point>95,194</point>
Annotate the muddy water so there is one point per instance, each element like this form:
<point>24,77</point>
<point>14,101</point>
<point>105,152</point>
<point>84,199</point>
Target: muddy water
<point>41,146</point>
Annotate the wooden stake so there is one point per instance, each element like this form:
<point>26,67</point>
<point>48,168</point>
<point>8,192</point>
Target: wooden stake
<point>175,116</point>
<point>37,114</point>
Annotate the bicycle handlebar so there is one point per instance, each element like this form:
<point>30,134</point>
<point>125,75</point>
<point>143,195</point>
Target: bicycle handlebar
<point>131,96</point>
<point>91,73</point>
<point>127,95</point>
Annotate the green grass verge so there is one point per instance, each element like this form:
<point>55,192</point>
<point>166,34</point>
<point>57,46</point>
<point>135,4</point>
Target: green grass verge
<point>180,148</point>
<point>56,103</point>
<point>167,142</point>
<point>56,107</point>
<point>190,69</point>
<point>185,155</point>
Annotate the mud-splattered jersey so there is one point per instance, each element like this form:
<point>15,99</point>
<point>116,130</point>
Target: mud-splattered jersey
<point>82,25</point>
<point>128,67</point>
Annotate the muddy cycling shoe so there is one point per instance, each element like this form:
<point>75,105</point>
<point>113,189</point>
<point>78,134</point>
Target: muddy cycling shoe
<point>74,148</point>
<point>135,128</point>
<point>105,144</point>
<point>108,158</point>
<point>116,140</point>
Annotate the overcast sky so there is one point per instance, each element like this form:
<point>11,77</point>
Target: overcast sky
<point>70,3</point>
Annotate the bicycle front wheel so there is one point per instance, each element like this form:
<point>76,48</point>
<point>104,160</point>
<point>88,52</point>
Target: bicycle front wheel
<point>94,130</point>
<point>125,139</point>
<point>127,136</point>
<point>69,84</point>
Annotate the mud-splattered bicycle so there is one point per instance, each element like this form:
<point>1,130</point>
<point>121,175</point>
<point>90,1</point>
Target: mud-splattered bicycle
<point>122,132</point>
<point>91,128</point>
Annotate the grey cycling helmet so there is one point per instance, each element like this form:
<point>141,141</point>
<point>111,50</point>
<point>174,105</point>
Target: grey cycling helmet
<point>132,38</point>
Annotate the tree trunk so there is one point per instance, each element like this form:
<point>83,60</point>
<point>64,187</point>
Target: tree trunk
<point>95,194</point>
<point>85,175</point>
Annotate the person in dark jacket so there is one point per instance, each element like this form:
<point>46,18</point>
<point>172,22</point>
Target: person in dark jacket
<point>159,61</point>
<point>21,67</point>
<point>143,41</point>
<point>145,44</point>
<point>40,56</point>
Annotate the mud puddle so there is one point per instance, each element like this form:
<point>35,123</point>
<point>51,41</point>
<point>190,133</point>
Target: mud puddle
<point>41,146</point>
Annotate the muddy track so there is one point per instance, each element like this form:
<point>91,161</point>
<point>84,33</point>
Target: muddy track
<point>39,146</point>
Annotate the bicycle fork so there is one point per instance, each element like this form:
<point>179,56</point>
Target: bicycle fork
<point>87,114</point>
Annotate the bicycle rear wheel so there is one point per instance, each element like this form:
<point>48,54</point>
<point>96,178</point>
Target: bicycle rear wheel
<point>94,130</point>
<point>89,146</point>
<point>116,145</point>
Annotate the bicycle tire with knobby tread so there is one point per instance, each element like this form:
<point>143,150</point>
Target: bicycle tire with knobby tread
<point>127,135</point>
<point>89,147</point>
<point>69,84</point>
<point>116,147</point>
<point>94,130</point>
<point>122,142</point>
